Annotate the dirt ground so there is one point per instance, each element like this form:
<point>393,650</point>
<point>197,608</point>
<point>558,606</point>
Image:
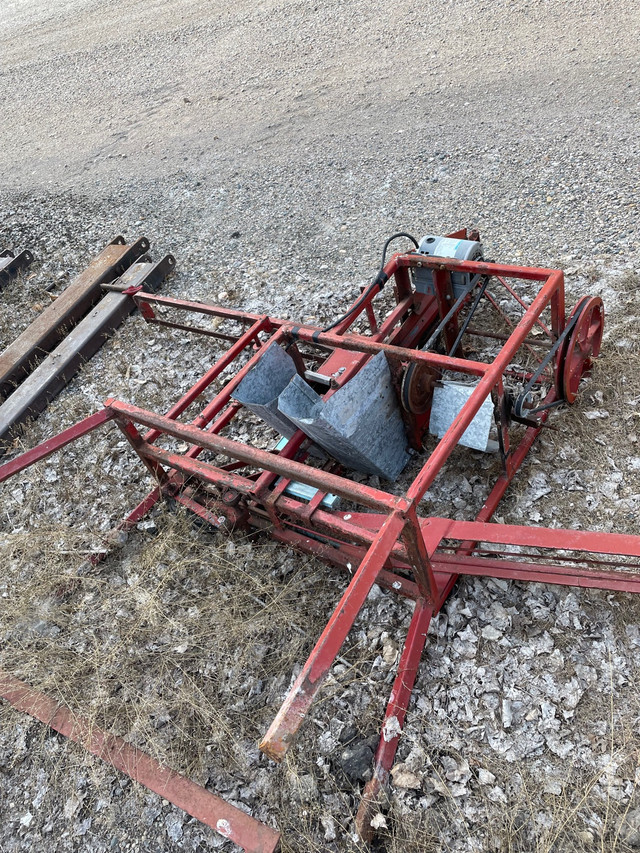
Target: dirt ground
<point>272,147</point>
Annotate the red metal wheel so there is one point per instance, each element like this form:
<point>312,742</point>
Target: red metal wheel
<point>582,346</point>
<point>416,391</point>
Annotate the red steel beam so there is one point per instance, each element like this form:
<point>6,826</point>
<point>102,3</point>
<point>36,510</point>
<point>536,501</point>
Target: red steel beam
<point>227,820</point>
<point>616,579</point>
<point>449,441</point>
<point>201,308</point>
<point>362,344</point>
<point>224,395</point>
<point>214,371</point>
<point>618,544</point>
<point>289,718</point>
<point>344,557</point>
<point>475,267</point>
<point>41,451</point>
<point>365,495</point>
<point>395,715</point>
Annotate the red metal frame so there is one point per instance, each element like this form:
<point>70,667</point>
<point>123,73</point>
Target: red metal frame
<point>420,558</point>
<point>227,820</point>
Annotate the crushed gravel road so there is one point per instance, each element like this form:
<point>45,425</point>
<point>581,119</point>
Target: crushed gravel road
<point>272,147</point>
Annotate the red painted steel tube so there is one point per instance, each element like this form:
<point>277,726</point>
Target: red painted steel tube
<point>365,495</point>
<point>522,303</point>
<point>225,394</point>
<point>511,324</point>
<point>447,443</point>
<point>227,820</point>
<point>613,544</point>
<point>614,579</point>
<point>41,451</point>
<point>147,503</point>
<point>394,317</point>
<point>500,487</point>
<point>280,735</point>
<point>214,371</point>
<point>199,510</point>
<point>222,398</point>
<point>361,343</point>
<point>137,442</point>
<point>474,267</point>
<point>343,557</point>
<point>202,308</point>
<point>218,425</point>
<point>417,554</point>
<point>203,471</point>
<point>266,479</point>
<point>396,710</point>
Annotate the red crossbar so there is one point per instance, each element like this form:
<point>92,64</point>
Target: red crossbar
<point>227,820</point>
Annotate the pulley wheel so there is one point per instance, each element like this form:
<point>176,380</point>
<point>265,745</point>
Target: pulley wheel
<point>417,387</point>
<point>582,346</point>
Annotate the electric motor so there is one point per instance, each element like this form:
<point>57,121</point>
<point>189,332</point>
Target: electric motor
<point>446,247</point>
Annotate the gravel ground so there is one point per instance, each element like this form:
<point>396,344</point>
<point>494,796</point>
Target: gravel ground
<point>272,147</point>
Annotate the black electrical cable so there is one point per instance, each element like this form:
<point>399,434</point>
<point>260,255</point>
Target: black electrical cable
<point>379,281</point>
<point>390,240</point>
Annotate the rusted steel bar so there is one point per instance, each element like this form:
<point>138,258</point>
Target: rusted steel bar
<point>359,492</point>
<point>11,265</point>
<point>41,451</point>
<point>227,820</point>
<point>289,718</point>
<point>214,371</point>
<point>362,344</point>
<point>20,357</point>
<point>616,579</point>
<point>32,396</point>
<point>612,544</point>
<point>395,715</point>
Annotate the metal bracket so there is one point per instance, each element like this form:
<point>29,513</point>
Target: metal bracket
<point>11,265</point>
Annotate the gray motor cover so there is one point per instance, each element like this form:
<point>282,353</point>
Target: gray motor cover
<point>446,247</point>
<point>450,247</point>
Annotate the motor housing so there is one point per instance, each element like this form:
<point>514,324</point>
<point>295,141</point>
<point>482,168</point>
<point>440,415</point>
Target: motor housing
<point>446,247</point>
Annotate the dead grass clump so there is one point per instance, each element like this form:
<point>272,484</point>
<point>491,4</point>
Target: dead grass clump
<point>179,646</point>
<point>185,643</point>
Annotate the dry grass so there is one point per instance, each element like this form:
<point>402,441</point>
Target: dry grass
<point>155,645</point>
<point>184,645</point>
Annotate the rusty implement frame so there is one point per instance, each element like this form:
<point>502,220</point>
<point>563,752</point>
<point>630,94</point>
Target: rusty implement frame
<point>11,265</point>
<point>20,357</point>
<point>379,537</point>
